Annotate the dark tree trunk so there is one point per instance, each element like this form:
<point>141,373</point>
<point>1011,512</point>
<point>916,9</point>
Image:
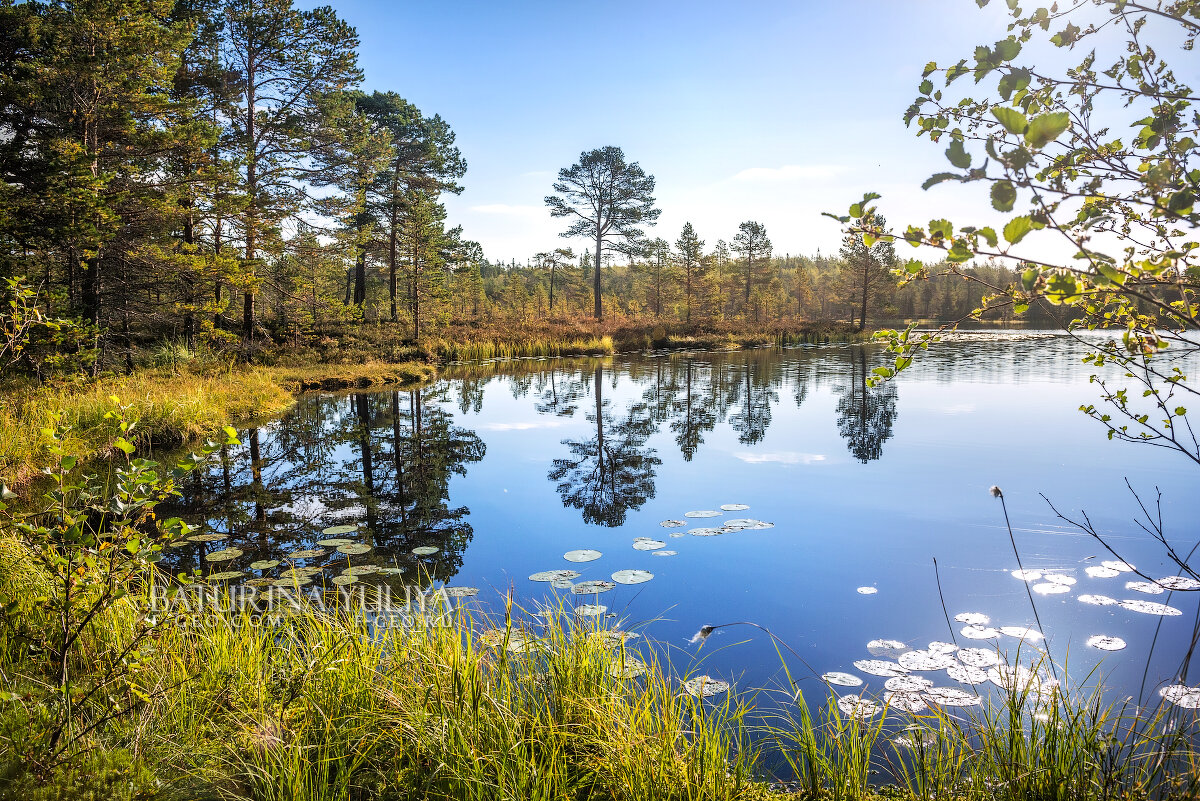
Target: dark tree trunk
<point>599,311</point>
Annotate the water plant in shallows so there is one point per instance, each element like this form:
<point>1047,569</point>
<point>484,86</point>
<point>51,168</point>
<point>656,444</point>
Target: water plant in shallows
<point>226,555</point>
<point>425,550</point>
<point>702,513</point>
<point>632,576</point>
<point>555,575</point>
<point>647,544</point>
<point>704,686</point>
<point>354,549</point>
<point>337,531</point>
<point>841,679</point>
<point>592,587</point>
<point>583,555</point>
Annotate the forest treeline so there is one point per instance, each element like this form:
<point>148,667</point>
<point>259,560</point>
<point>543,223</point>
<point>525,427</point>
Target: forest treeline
<point>212,172</point>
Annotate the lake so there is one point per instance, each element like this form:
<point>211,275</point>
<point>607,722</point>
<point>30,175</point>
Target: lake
<point>505,466</point>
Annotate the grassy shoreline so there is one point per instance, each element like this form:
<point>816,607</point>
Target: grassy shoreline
<point>172,407</point>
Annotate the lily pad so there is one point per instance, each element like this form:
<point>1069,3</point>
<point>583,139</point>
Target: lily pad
<point>951,696</point>
<point>210,537</point>
<point>678,533</point>
<point>391,571</point>
<point>179,544</point>
<point>226,575</point>
<point>342,581</point>
<point>905,701</point>
<point>592,587</point>
<point>627,668</point>
<point>867,590</point>
<point>980,632</point>
<point>354,549</point>
<point>590,610</point>
<point>334,531</point>
<point>858,707</point>
<point>612,638</point>
<point>425,550</point>
<point>939,647</point>
<point>1150,608</point>
<point>907,684</point>
<point>664,553</point>
<point>226,555</point>
<point>306,553</point>
<point>705,686</point>
<point>841,679</point>
<point>1028,633</point>
<point>648,545</point>
<point>1027,575</point>
<point>892,648</point>
<point>360,570</point>
<point>258,582</point>
<point>1148,587</point>
<point>967,674</point>
<point>632,576</point>
<point>1098,600</point>
<point>1119,566</point>
<point>880,667</point>
<point>1178,583</point>
<point>264,564</point>
<point>1106,643</point>
<point>1100,571</point>
<point>301,571</point>
<point>582,556</point>
<point>1059,578</point>
<point>978,657</point>
<point>292,581</point>
<point>1181,695</point>
<point>551,575</point>
<point>562,584</point>
<point>673,523</point>
<point>703,513</point>
<point>460,592</point>
<point>707,532</point>
<point>1049,588</point>
<point>973,618</point>
<point>734,507</point>
<point>925,660</point>
<point>334,542</point>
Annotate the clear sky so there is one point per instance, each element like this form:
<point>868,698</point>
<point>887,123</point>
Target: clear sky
<point>764,110</point>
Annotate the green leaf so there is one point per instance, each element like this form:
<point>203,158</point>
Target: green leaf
<point>1016,228</point>
<point>913,266</point>
<point>1012,120</point>
<point>884,372</point>
<point>926,87</point>
<point>930,68</point>
<point>1111,273</point>
<point>959,252</point>
<point>989,236</point>
<point>1008,49</point>
<point>940,229</point>
<point>957,155</point>
<point>124,445</point>
<point>1045,128</point>
<point>933,180</point>
<point>1003,195</point>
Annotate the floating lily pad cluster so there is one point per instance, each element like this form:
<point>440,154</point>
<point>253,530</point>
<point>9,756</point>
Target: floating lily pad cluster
<point>1053,582</point>
<point>296,568</point>
<point>565,579</point>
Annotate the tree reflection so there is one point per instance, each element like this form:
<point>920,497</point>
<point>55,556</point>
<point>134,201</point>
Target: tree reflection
<point>865,414</point>
<point>693,413</point>
<point>612,472</point>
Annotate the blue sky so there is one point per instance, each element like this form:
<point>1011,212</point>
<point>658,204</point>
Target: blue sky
<point>767,110</point>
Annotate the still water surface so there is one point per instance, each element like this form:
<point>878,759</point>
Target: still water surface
<point>505,466</point>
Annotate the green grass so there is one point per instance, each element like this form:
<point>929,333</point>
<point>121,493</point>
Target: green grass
<point>326,706</point>
<point>172,406</point>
